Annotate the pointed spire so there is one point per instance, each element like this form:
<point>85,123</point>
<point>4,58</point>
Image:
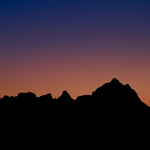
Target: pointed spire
<point>65,95</point>
<point>114,80</point>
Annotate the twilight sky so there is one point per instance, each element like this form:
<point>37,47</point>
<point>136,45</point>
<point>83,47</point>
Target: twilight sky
<point>47,46</point>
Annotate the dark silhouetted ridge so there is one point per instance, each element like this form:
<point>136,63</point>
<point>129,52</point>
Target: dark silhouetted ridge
<point>110,96</point>
<point>114,80</point>
<point>65,97</point>
<point>46,97</point>
<point>116,96</point>
<point>26,96</point>
<point>113,112</point>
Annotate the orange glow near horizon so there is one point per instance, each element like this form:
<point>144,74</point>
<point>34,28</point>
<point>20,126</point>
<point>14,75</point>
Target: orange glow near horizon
<point>48,47</point>
<point>78,75</point>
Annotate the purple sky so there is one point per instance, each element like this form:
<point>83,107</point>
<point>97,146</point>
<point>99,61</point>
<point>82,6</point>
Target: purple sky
<point>51,46</point>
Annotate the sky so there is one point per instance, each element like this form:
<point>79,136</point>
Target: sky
<point>75,45</point>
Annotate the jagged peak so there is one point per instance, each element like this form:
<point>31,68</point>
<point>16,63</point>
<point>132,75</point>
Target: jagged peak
<point>65,95</point>
<point>114,80</point>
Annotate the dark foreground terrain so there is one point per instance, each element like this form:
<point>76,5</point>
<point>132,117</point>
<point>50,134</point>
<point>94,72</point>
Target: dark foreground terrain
<point>112,115</point>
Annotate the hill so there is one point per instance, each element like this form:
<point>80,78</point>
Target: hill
<point>112,112</point>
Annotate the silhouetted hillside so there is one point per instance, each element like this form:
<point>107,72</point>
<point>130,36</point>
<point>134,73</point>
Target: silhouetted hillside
<point>65,97</point>
<point>112,110</point>
<point>113,96</point>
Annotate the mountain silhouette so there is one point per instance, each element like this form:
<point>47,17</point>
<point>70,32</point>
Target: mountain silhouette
<point>118,95</point>
<point>111,113</point>
<point>46,97</point>
<point>65,97</point>
<point>112,96</point>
